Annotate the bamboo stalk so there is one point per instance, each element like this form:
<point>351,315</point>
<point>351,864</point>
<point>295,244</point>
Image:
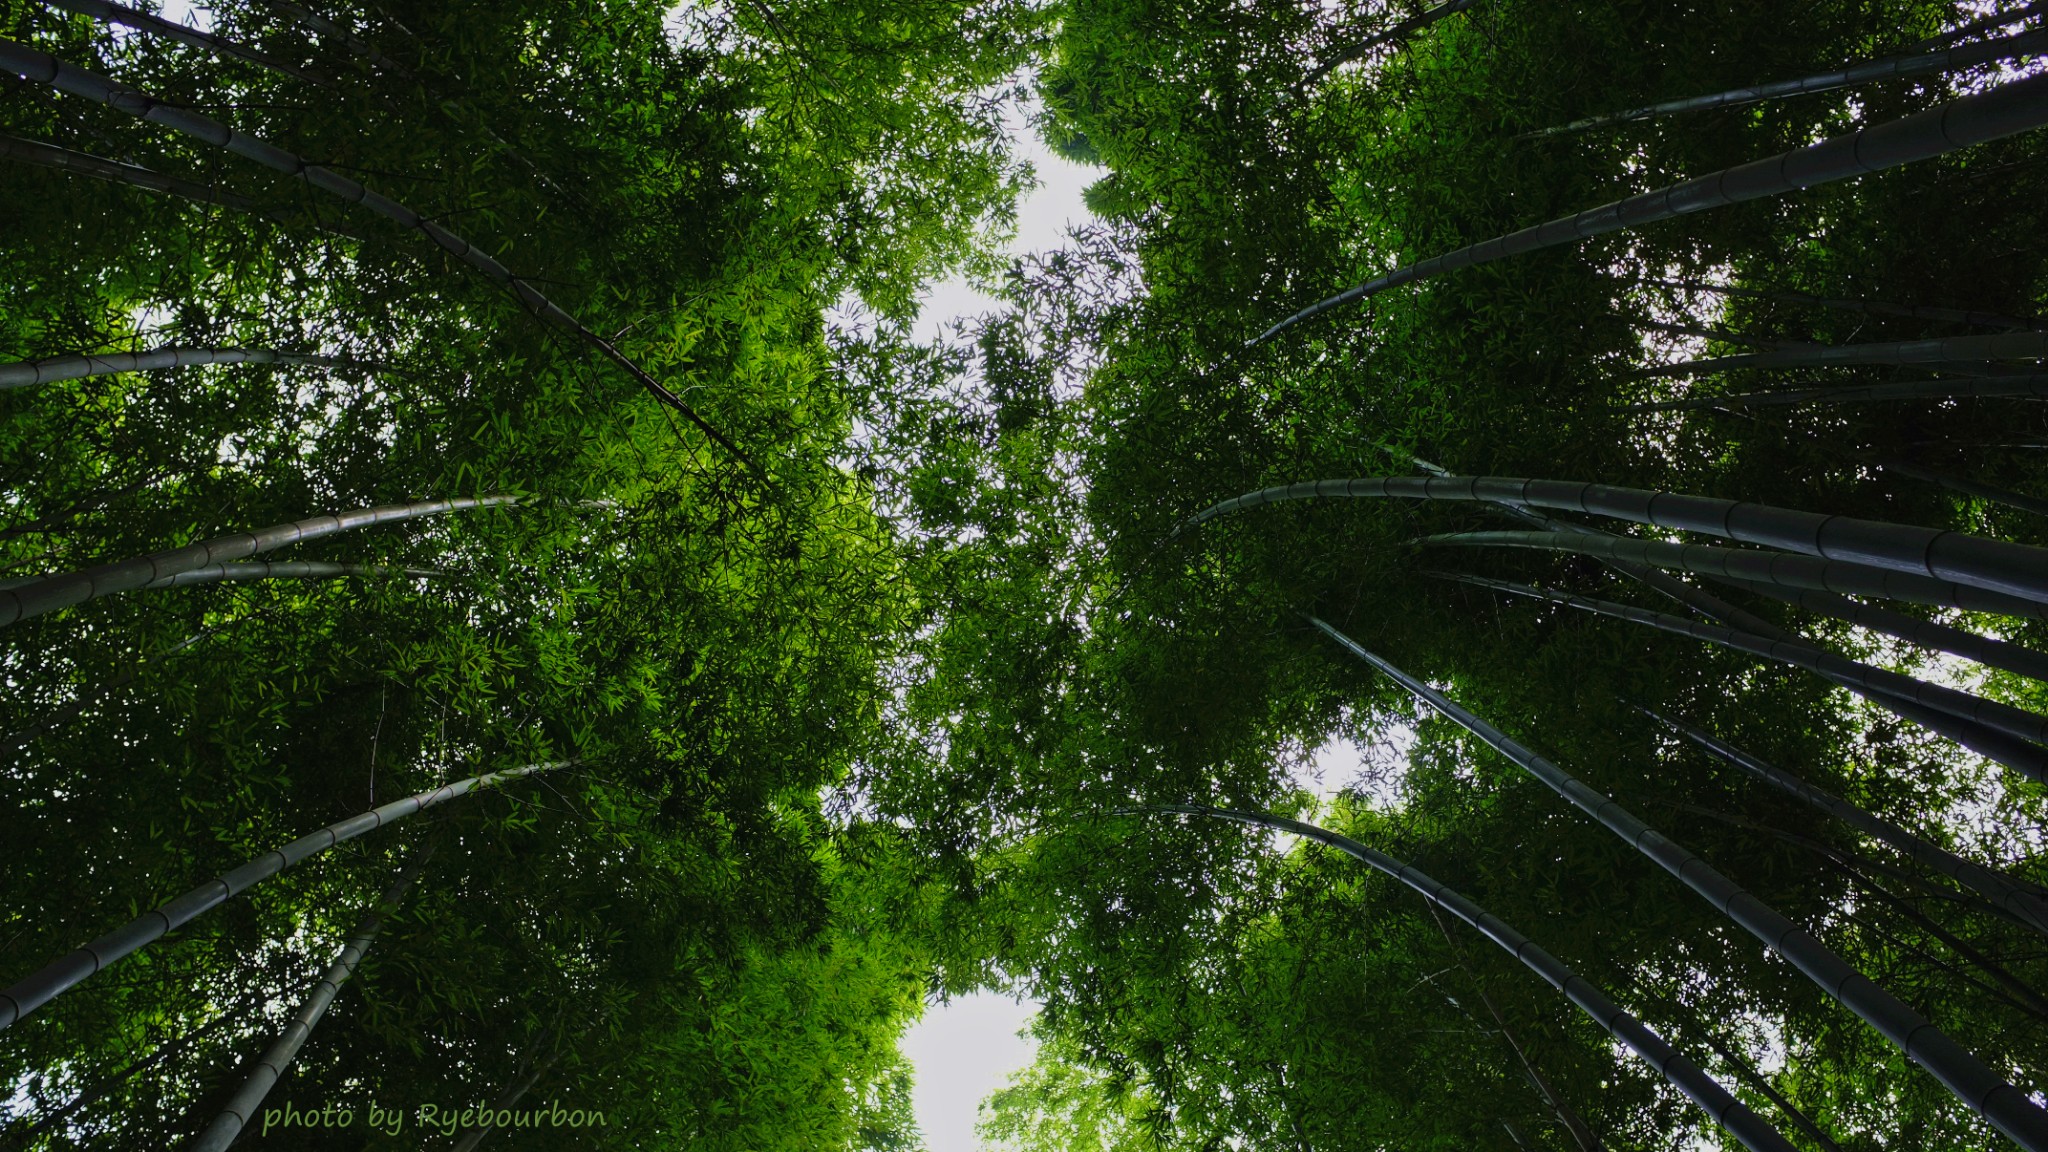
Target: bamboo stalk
<point>267,1069</point>
<point>1401,31</point>
<point>61,974</point>
<point>158,26</point>
<point>1731,1114</point>
<point>2030,385</point>
<point>1982,24</point>
<point>1887,68</point>
<point>46,155</point>
<point>2014,658</point>
<point>2003,111</point>
<point>1864,307</point>
<point>1952,349</point>
<point>44,68</point>
<point>505,1100</point>
<point>1990,1095</point>
<point>1754,567</point>
<point>2032,504</point>
<point>2026,902</point>
<point>1994,565</point>
<point>49,593</point>
<point>25,373</point>
<point>286,570</point>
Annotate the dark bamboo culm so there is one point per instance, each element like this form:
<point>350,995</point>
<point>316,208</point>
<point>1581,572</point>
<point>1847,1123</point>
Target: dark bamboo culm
<point>1401,31</point>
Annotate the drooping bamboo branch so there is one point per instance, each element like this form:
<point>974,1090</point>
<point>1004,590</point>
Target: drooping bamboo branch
<point>25,373</point>
<point>1401,31</point>
<point>1731,1114</point>
<point>28,994</point>
<point>2014,990</point>
<point>2014,569</point>
<point>1863,307</point>
<point>2003,111</point>
<point>1977,389</point>
<point>171,30</point>
<point>1753,567</point>
<point>2005,1106</point>
<point>286,570</point>
<point>49,593</point>
<point>2024,901</point>
<point>44,68</point>
<point>268,1068</point>
<point>1887,68</point>
<point>1949,350</point>
<point>1760,1083</point>
<point>1860,678</point>
<point>1969,487</point>
<point>2010,657</point>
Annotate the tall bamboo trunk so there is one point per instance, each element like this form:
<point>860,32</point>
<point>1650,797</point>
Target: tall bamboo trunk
<point>44,68</point>
<point>2027,902</point>
<point>61,974</point>
<point>1882,686</point>
<point>49,593</point>
<point>2030,384</point>
<point>2009,657</point>
<point>1764,568</point>
<point>2004,111</point>
<point>1890,67</point>
<point>1989,1094</point>
<point>1948,350</point>
<point>2014,569</point>
<point>1731,1114</point>
<point>1865,307</point>
<point>25,373</point>
<point>1401,31</point>
<point>287,570</point>
<point>268,1068</point>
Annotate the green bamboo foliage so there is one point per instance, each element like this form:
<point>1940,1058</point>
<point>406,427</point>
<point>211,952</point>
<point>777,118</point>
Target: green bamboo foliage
<point>1776,568</point>
<point>1976,1085</point>
<point>1883,686</point>
<point>1951,350</point>
<point>268,1068</point>
<point>49,593</point>
<point>65,972</point>
<point>2015,658</point>
<point>2024,902</point>
<point>2003,111</point>
<point>1731,1114</point>
<point>2030,385</point>
<point>1994,565</point>
<point>1965,316</point>
<point>26,373</point>
<point>1888,68</point>
<point>287,570</point>
<point>1399,32</point>
<point>44,68</point>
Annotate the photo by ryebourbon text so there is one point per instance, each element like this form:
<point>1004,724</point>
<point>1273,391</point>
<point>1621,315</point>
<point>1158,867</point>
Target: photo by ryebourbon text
<point>429,1118</point>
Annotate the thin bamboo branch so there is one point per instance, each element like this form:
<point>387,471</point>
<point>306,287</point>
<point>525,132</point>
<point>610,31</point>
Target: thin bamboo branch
<point>2003,111</point>
<point>1984,24</point>
<point>49,593</point>
<point>2024,995</point>
<point>265,1071</point>
<point>171,30</point>
<point>45,155</point>
<point>44,68</point>
<point>1991,388</point>
<point>1967,487</point>
<point>1888,68</point>
<point>2014,569</point>
<point>505,1101</point>
<point>1770,1091</point>
<point>287,570</point>
<point>1731,1114</point>
<point>1864,307</point>
<point>2026,902</point>
<point>24,373</point>
<point>2001,654</point>
<point>54,978</point>
<point>1401,31</point>
<point>1947,350</point>
<point>2005,1106</point>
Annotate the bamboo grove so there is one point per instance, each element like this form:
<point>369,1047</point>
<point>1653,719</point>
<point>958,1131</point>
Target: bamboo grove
<point>501,610</point>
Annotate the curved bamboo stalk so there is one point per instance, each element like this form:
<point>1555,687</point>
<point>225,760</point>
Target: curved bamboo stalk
<point>45,155</point>
<point>61,974</point>
<point>2014,658</point>
<point>2014,569</point>
<point>1778,568</point>
<point>1863,307</point>
<point>44,68</point>
<point>1731,1114</point>
<point>171,30</point>
<point>49,593</point>
<point>2024,901</point>
<point>1401,31</point>
<point>286,570</point>
<point>24,373</point>
<point>2032,504</point>
<point>1952,349</point>
<point>2004,1105</point>
<point>1884,687</point>
<point>1983,24</point>
<point>1982,389</point>
<point>2003,111</point>
<point>1890,67</point>
<point>266,1070</point>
